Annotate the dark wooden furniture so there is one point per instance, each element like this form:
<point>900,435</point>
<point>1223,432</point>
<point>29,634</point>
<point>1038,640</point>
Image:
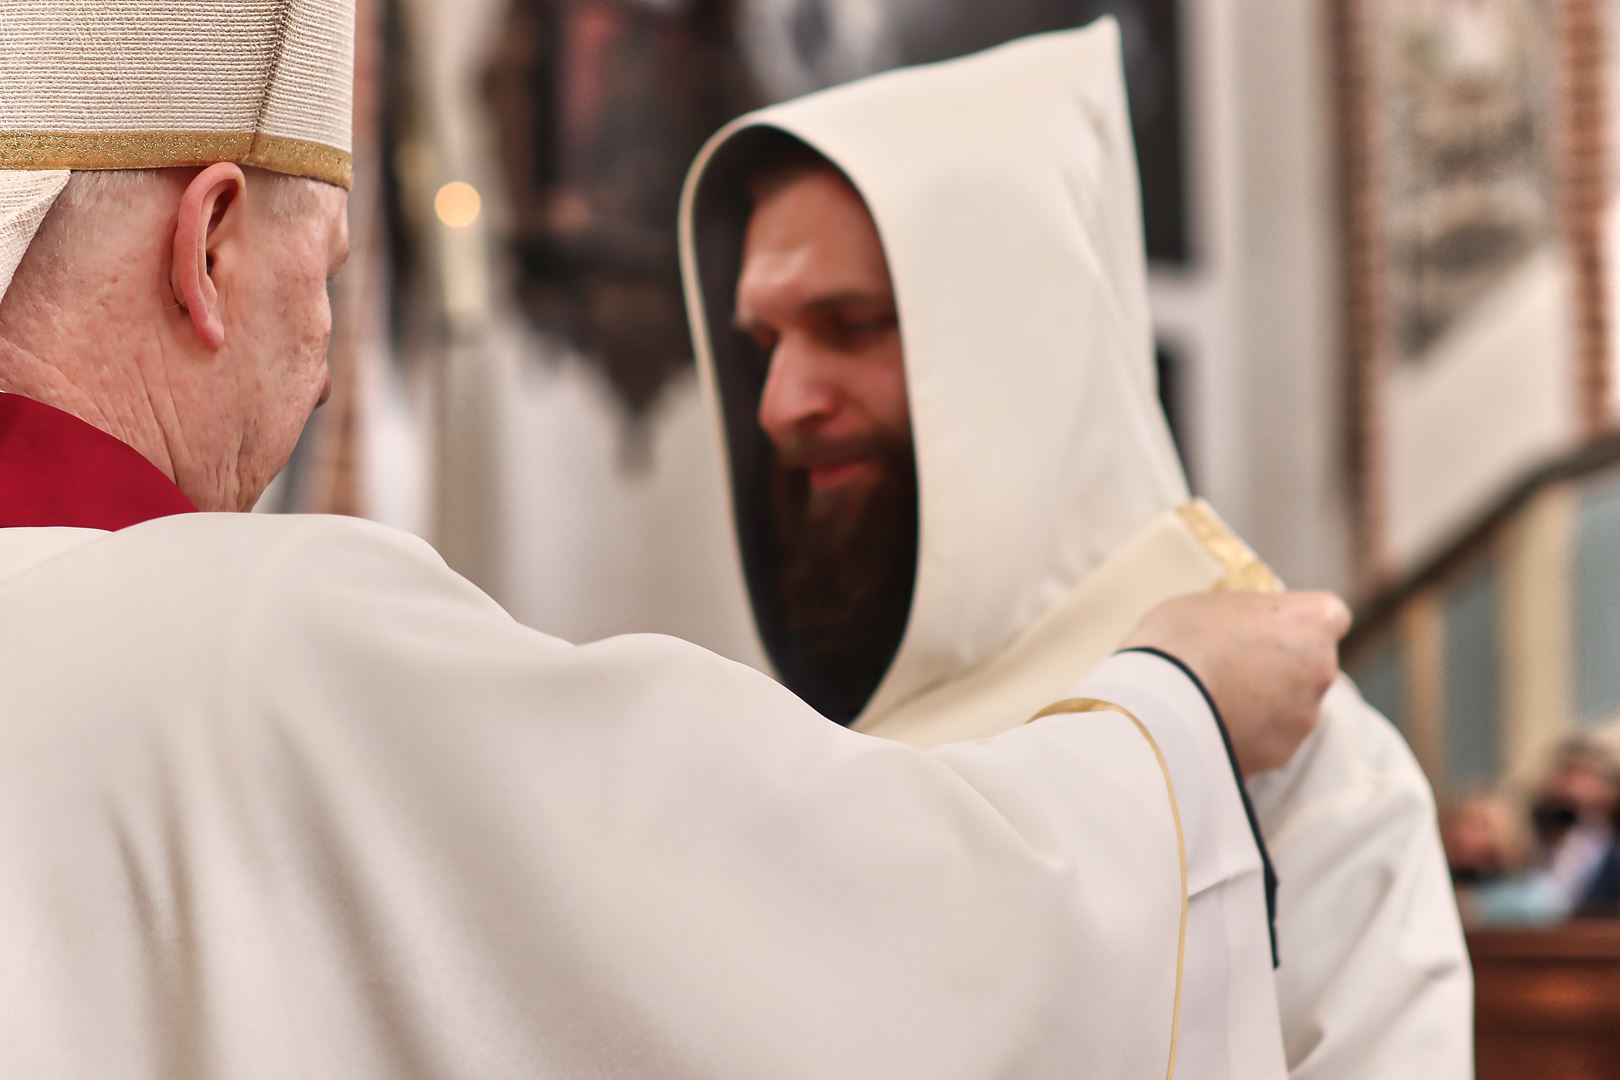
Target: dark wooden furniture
<point>1548,1003</point>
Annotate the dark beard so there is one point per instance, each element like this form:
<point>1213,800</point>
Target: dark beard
<point>846,577</point>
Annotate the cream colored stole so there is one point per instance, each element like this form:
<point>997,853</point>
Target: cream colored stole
<point>1185,550</point>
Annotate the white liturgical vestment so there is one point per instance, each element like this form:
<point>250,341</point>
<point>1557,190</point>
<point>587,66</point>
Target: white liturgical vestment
<point>287,797</point>
<point>1053,514</point>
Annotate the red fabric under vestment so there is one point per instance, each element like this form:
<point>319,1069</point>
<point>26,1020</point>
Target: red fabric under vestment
<point>55,469</point>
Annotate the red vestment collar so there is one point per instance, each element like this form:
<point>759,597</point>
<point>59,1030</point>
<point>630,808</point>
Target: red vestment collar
<point>57,470</point>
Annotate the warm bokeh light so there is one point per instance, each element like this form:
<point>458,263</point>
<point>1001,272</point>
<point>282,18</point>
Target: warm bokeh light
<point>457,204</point>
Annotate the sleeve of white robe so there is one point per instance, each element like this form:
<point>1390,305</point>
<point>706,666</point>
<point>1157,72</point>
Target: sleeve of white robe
<point>1375,979</point>
<point>373,827</point>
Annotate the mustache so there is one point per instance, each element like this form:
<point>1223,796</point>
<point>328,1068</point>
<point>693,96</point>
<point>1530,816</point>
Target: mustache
<point>809,451</point>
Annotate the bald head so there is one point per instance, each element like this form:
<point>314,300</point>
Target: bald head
<point>184,312</point>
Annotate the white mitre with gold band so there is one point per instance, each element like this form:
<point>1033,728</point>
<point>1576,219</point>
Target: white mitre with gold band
<point>151,84</point>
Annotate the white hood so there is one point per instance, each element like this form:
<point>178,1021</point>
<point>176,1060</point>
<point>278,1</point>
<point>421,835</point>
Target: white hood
<point>1004,188</point>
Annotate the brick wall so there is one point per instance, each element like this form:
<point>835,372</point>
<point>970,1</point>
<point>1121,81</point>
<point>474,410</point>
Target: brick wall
<point>1583,191</point>
<point>1579,41</point>
<point>1368,332</point>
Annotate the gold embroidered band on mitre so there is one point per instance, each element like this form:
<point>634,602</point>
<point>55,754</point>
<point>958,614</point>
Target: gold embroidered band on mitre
<point>78,150</point>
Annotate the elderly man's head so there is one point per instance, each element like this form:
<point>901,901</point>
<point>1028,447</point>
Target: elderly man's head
<point>185,312</point>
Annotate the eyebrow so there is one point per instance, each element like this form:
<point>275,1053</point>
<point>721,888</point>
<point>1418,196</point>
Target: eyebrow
<point>831,302</point>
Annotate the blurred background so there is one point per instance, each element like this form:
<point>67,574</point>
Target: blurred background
<point>1384,269</point>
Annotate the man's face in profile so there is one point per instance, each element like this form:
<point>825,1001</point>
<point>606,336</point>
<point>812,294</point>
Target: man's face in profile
<point>815,296</point>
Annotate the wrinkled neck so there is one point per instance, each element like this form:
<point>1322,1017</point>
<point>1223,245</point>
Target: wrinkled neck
<point>106,391</point>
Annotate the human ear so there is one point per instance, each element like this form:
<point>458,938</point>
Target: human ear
<point>211,214</point>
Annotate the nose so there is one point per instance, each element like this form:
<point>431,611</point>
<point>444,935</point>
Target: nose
<point>798,392</point>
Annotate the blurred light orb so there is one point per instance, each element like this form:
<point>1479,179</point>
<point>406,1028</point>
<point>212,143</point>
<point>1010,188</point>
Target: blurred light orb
<point>457,204</point>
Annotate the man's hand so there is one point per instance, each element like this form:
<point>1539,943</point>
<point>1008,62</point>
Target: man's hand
<point>1267,660</point>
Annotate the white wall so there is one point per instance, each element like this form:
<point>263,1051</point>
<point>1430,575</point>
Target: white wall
<point>585,548</point>
<point>1486,404</point>
<point>1259,313</point>
<point>544,513</point>
<point>1261,317</point>
<point>593,548</point>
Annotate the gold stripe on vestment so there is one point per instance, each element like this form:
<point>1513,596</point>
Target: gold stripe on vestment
<point>1093,705</point>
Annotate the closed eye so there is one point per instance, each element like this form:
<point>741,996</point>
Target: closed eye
<point>854,334</point>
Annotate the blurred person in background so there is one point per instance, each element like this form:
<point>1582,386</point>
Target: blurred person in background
<point>919,304</point>
<point>1488,846</point>
<point>1573,815</point>
<point>1558,865</point>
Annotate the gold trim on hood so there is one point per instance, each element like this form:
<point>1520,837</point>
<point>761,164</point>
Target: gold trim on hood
<point>1093,705</point>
